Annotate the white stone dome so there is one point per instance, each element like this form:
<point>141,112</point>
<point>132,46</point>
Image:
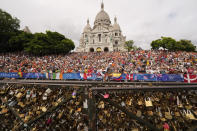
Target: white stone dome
<point>116,26</point>
<point>102,17</point>
<point>87,28</point>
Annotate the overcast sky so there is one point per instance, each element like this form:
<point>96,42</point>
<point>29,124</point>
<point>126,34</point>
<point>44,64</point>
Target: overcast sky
<point>140,20</point>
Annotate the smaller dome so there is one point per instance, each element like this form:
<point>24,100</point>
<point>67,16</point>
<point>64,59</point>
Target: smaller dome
<point>116,25</point>
<point>87,27</point>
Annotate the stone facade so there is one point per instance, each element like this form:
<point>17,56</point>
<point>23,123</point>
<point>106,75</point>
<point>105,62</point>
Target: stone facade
<point>103,36</point>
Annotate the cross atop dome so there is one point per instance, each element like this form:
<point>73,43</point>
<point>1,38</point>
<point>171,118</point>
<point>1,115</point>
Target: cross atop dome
<point>88,21</point>
<point>102,5</point>
<point>115,19</point>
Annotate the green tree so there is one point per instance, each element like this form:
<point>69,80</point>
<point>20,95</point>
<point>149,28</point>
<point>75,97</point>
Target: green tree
<point>8,27</point>
<point>8,23</point>
<point>36,44</point>
<point>19,41</point>
<point>129,45</point>
<point>168,43</point>
<point>185,45</point>
<point>156,44</point>
<point>49,43</point>
<point>173,45</point>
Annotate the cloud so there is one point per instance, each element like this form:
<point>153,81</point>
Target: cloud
<point>140,20</point>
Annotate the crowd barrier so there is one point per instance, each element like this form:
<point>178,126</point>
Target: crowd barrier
<point>189,78</point>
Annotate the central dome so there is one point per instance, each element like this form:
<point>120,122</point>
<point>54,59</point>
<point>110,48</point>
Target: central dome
<point>102,17</point>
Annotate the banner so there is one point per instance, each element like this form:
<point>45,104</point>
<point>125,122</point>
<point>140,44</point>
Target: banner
<point>190,78</point>
<point>145,77</point>
<point>9,75</point>
<point>170,77</point>
<point>158,77</point>
<point>34,76</point>
<point>98,76</point>
<point>71,76</point>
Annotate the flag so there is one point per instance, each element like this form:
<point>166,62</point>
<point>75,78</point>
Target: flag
<point>47,75</point>
<point>20,74</point>
<point>116,76</point>
<point>129,77</point>
<point>99,76</point>
<point>57,76</point>
<point>71,76</point>
<point>190,78</point>
<point>85,76</point>
<point>54,75</point>
<point>61,76</point>
<point>81,75</point>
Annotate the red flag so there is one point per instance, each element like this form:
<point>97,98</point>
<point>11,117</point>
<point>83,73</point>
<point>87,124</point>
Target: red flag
<point>190,78</point>
<point>85,76</point>
<point>129,77</point>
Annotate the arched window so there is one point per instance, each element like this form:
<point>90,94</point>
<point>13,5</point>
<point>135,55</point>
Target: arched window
<point>106,49</point>
<point>116,42</point>
<point>116,34</point>
<point>99,35</point>
<point>91,49</point>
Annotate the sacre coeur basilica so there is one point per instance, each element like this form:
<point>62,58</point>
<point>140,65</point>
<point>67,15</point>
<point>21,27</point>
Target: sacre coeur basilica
<point>103,36</point>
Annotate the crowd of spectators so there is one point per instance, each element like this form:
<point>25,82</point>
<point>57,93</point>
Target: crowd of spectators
<point>42,107</point>
<point>142,61</point>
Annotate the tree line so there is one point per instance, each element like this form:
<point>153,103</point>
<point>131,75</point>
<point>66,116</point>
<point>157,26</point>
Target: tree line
<point>14,40</point>
<point>168,43</point>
